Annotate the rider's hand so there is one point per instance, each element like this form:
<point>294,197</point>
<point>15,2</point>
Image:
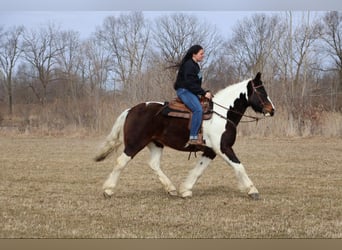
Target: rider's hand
<point>208,95</point>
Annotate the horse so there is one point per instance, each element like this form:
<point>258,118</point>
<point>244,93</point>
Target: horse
<point>144,125</point>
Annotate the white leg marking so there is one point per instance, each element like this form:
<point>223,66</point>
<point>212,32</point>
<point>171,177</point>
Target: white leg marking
<point>112,179</point>
<point>156,153</point>
<point>186,187</point>
<point>245,184</point>
<point>270,102</point>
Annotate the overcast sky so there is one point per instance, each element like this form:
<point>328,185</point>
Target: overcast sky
<point>200,5</point>
<point>85,15</point>
<point>86,21</point>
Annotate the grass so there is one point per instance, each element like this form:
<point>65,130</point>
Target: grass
<point>50,188</point>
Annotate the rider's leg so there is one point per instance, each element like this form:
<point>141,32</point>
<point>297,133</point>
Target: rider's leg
<point>193,103</point>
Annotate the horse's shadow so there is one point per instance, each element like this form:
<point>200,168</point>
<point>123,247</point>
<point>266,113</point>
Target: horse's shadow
<point>212,192</point>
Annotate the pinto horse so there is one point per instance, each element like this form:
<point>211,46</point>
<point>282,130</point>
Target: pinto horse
<point>145,125</point>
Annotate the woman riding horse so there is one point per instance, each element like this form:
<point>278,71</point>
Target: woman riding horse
<point>188,88</point>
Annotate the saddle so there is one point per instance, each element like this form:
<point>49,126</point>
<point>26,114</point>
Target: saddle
<point>176,108</point>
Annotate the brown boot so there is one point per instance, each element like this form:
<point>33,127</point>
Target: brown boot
<point>195,142</point>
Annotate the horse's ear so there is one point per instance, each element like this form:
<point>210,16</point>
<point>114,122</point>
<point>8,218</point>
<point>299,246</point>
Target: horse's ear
<point>258,77</point>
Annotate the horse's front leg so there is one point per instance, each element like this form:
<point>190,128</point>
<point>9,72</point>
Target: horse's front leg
<point>245,184</point>
<point>185,188</point>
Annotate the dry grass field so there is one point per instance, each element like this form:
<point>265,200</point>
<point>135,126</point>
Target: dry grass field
<point>51,188</point>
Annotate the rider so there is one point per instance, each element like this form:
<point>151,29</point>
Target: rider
<point>188,88</point>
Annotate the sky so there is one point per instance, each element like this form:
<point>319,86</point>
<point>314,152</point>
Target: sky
<point>86,22</point>
<point>153,5</point>
<point>85,15</point>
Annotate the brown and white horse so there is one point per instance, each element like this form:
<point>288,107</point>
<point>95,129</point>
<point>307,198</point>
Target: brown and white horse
<point>145,125</point>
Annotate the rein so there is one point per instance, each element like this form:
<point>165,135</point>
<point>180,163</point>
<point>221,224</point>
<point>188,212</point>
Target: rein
<point>254,118</point>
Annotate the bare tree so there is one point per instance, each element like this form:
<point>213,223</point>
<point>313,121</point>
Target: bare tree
<point>332,23</point>
<point>175,33</point>
<point>126,37</point>
<point>96,63</point>
<point>252,44</point>
<point>295,58</point>
<point>95,67</point>
<point>9,53</point>
<point>304,38</point>
<point>68,59</point>
<point>41,50</point>
<point>69,63</point>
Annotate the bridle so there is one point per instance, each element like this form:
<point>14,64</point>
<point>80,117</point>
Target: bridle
<point>255,91</point>
<point>253,118</point>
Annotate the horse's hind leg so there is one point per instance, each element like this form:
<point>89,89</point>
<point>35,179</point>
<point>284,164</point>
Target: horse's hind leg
<point>112,179</point>
<point>156,153</point>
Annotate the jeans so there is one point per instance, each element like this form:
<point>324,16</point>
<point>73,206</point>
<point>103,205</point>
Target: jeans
<point>193,103</point>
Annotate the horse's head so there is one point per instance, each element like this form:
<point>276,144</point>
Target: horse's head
<point>258,97</point>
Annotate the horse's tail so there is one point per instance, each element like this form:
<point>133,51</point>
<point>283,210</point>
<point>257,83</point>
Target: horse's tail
<point>114,139</point>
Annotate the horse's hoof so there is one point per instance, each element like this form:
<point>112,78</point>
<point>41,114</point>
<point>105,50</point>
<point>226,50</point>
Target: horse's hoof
<point>254,196</point>
<point>172,193</point>
<point>186,194</point>
<point>107,195</point>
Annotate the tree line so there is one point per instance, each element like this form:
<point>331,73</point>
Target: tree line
<point>51,78</point>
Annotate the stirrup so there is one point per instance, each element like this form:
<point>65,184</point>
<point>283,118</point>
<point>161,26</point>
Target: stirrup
<point>195,142</point>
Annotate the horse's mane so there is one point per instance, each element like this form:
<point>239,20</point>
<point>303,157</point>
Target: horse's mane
<point>229,94</point>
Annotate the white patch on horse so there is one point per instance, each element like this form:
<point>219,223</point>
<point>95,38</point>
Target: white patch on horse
<point>245,184</point>
<point>152,102</point>
<point>112,179</point>
<point>186,187</point>
<point>269,99</point>
<point>227,96</point>
<point>156,153</point>
<point>213,128</point>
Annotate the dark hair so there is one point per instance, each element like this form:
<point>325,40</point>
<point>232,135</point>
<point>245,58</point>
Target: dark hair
<point>193,50</point>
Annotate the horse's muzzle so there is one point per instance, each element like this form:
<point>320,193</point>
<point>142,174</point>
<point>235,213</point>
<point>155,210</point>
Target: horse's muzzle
<point>268,110</point>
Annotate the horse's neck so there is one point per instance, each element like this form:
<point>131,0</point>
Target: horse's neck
<point>228,95</point>
<point>236,112</point>
<point>234,98</point>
